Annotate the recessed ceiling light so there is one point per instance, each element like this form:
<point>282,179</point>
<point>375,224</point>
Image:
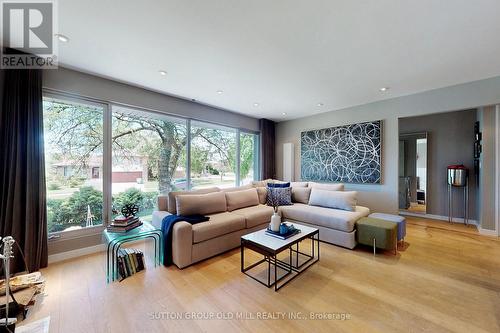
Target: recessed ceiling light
<point>220,92</point>
<point>256,104</point>
<point>283,113</point>
<point>320,104</point>
<point>384,89</point>
<point>162,73</point>
<point>62,38</point>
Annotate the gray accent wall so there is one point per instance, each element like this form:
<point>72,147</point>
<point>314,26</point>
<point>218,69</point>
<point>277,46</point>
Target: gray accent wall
<point>384,197</point>
<point>450,140</point>
<point>85,85</point>
<point>410,160</point>
<point>487,180</point>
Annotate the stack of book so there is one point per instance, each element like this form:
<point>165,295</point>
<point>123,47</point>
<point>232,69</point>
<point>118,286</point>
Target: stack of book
<point>122,224</point>
<point>130,261</point>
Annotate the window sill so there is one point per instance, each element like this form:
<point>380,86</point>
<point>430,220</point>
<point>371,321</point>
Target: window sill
<point>74,234</point>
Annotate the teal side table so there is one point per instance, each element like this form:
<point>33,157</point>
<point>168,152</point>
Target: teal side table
<point>116,240</point>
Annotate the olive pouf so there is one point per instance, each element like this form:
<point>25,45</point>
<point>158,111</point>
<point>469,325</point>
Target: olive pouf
<point>378,233</point>
<point>400,220</point>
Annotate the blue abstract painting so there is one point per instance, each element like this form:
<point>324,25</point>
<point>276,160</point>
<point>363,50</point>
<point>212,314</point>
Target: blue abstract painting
<point>348,154</point>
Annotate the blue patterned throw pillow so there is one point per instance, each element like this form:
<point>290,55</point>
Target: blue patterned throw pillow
<point>281,196</point>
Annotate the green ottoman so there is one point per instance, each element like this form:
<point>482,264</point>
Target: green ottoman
<point>377,233</point>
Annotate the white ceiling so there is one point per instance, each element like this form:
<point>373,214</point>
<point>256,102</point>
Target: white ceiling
<point>286,55</point>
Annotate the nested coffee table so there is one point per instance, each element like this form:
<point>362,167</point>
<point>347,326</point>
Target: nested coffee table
<point>269,246</point>
<point>116,240</point>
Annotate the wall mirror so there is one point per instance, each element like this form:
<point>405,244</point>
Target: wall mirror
<point>413,172</point>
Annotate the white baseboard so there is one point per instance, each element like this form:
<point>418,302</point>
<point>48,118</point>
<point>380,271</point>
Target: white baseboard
<point>488,232</point>
<point>438,217</point>
<point>76,253</point>
<point>85,251</point>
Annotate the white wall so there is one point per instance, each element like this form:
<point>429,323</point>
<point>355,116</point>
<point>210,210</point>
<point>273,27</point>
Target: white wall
<point>384,197</point>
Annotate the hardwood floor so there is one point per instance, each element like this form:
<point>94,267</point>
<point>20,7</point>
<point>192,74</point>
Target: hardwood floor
<point>447,279</point>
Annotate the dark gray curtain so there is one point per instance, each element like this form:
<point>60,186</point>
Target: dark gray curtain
<point>22,171</point>
<point>267,149</point>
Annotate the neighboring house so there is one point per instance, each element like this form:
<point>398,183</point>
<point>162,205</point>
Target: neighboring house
<point>125,169</point>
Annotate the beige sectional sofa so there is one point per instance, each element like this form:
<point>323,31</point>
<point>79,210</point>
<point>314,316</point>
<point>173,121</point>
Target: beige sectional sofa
<point>240,210</point>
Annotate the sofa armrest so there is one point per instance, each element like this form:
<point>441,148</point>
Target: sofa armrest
<point>163,202</point>
<point>182,244</point>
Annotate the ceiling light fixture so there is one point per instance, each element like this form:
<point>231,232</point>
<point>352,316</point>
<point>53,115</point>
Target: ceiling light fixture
<point>162,73</point>
<point>283,113</point>
<point>256,104</point>
<point>320,104</point>
<point>384,89</point>
<point>220,92</point>
<point>62,38</point>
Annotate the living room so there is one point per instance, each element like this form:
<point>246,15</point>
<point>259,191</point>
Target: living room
<point>248,167</point>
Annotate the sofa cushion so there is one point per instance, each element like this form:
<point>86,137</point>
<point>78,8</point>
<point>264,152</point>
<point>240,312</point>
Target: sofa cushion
<point>236,188</point>
<point>172,205</point>
<point>261,183</point>
<point>301,194</point>
<point>255,215</point>
<point>203,204</point>
<point>262,192</point>
<point>218,225</point>
<point>333,199</point>
<point>328,187</point>
<point>241,199</point>
<point>299,184</point>
<point>337,219</point>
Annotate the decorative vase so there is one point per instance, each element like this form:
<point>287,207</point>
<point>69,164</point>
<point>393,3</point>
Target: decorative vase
<point>275,222</point>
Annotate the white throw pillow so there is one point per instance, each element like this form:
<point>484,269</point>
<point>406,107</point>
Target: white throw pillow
<point>328,187</point>
<point>334,199</point>
<point>301,194</point>
<point>299,184</point>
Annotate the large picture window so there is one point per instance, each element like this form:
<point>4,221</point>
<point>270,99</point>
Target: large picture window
<point>73,135</point>
<point>213,156</point>
<point>100,158</point>
<point>149,154</point>
<point>249,158</point>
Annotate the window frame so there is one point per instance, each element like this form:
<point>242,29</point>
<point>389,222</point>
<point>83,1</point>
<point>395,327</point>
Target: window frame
<point>236,131</point>
<point>97,229</point>
<point>256,154</point>
<point>106,171</point>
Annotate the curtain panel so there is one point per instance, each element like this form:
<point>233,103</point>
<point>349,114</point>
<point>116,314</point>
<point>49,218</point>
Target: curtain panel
<point>267,149</point>
<point>22,171</point>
